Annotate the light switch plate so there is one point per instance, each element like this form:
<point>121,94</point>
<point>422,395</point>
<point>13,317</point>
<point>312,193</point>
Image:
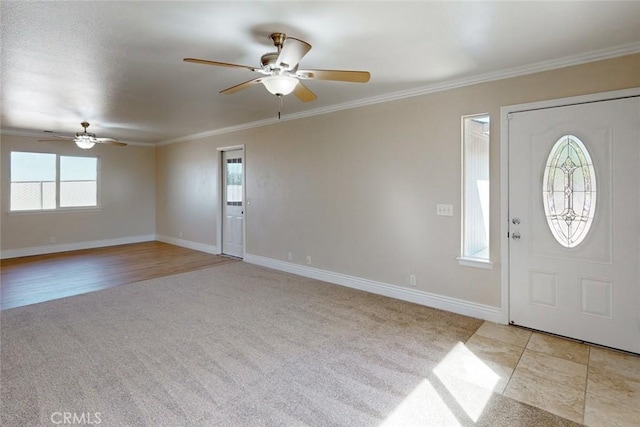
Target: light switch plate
<point>444,210</point>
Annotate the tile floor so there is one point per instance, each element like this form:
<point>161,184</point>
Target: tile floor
<point>583,383</point>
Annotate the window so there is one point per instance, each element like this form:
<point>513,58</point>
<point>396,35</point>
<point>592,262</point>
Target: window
<point>78,181</point>
<point>475,191</point>
<point>569,191</point>
<point>234,182</point>
<point>44,181</point>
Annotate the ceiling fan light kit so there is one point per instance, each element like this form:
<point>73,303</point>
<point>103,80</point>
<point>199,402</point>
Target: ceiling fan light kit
<point>280,70</point>
<point>280,85</point>
<point>84,141</point>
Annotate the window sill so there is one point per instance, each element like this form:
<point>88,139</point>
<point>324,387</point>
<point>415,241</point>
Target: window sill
<point>53,211</point>
<point>475,263</point>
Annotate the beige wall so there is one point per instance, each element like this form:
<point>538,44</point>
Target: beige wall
<point>357,189</point>
<point>127,189</point>
<point>187,192</point>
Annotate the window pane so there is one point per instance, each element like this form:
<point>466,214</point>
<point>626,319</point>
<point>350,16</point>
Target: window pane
<point>78,181</point>
<point>475,242</point>
<point>78,168</point>
<point>234,182</point>
<point>33,181</point>
<point>569,191</point>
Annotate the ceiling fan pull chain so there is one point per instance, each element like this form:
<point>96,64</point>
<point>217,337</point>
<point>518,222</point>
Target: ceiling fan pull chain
<point>280,102</point>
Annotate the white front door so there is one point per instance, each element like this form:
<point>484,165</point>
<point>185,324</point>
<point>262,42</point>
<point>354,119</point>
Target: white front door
<point>574,221</point>
<point>233,203</point>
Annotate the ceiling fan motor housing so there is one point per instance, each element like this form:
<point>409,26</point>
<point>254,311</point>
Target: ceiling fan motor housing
<point>85,125</point>
<point>278,39</point>
<point>269,60</point>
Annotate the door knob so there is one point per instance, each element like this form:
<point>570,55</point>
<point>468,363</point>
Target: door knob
<point>515,235</point>
<point>515,221</point>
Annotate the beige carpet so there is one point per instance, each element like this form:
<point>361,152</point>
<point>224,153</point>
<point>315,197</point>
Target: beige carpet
<point>240,345</point>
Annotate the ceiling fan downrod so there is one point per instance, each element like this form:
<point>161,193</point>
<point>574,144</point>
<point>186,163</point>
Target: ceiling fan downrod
<point>84,125</point>
<point>278,40</point>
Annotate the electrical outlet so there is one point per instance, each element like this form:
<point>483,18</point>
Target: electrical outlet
<point>444,210</point>
<point>412,279</point>
<point>52,239</point>
<point>289,256</point>
<point>308,259</point>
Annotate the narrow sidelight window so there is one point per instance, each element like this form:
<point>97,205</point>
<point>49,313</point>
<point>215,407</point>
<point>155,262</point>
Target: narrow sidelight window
<point>475,188</point>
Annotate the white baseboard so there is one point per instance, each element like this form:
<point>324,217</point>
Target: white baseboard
<point>454,305</point>
<point>466,308</point>
<point>65,247</point>
<point>196,246</point>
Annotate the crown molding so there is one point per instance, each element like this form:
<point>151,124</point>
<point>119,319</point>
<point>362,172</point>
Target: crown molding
<point>15,132</point>
<point>592,56</point>
<point>221,131</point>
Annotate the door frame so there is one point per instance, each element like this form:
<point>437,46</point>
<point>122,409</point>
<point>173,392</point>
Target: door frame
<point>505,113</point>
<point>221,169</point>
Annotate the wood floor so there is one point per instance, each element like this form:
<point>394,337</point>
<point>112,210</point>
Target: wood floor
<point>34,279</point>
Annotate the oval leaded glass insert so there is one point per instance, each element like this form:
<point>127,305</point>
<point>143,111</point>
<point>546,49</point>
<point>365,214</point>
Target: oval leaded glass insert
<point>569,191</point>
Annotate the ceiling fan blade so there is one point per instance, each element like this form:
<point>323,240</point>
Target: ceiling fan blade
<point>110,141</point>
<point>336,75</point>
<point>59,136</point>
<point>237,88</point>
<point>58,139</point>
<point>293,50</point>
<point>303,93</point>
<point>219,64</point>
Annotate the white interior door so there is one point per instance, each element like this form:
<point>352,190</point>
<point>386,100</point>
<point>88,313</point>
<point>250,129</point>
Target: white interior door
<point>233,203</point>
<point>574,213</point>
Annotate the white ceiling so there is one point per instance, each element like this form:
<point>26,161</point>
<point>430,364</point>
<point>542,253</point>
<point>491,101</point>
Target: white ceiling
<point>119,65</point>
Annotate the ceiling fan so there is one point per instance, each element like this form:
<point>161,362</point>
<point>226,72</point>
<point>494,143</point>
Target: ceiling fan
<point>281,75</point>
<point>85,140</point>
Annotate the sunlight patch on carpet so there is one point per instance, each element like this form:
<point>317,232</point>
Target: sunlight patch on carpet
<point>423,406</point>
<point>456,393</point>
